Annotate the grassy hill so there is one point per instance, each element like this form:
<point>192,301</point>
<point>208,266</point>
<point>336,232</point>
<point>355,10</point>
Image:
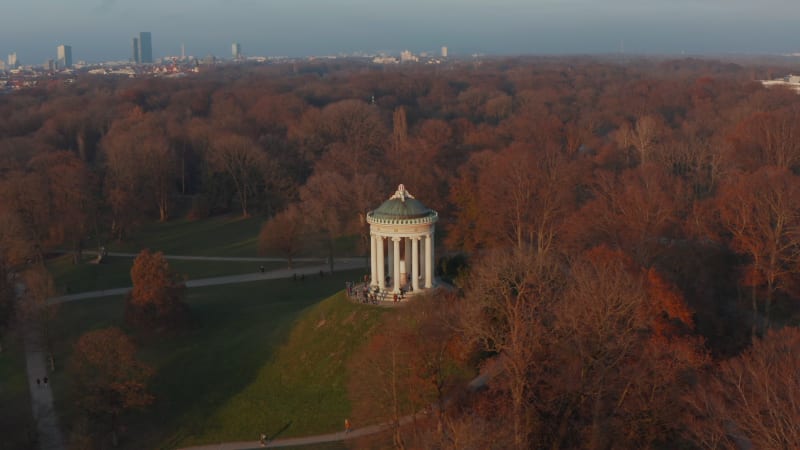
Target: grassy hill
<point>258,357</point>
<point>302,388</point>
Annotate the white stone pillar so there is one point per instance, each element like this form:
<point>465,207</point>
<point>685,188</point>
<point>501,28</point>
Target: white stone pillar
<point>415,264</point>
<point>381,274</point>
<point>429,261</point>
<point>407,259</point>
<point>373,260</point>
<point>422,256</point>
<point>390,257</point>
<point>396,273</point>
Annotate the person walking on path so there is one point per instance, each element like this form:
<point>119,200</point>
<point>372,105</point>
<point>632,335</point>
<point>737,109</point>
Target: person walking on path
<point>347,425</point>
<point>263,440</point>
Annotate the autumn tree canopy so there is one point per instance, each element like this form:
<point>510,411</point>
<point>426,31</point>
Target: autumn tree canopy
<point>108,379</point>
<point>156,300</point>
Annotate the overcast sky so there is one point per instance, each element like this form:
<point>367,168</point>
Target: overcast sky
<point>102,29</point>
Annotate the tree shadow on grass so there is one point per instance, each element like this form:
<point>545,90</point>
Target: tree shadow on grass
<point>276,434</point>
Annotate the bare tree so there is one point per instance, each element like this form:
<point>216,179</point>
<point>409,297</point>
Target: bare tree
<point>242,161</point>
<point>505,311</point>
<point>750,400</point>
<point>761,214</point>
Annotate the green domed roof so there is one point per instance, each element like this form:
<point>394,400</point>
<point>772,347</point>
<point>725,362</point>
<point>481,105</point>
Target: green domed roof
<point>401,206</point>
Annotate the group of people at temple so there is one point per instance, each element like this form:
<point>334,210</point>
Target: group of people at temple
<point>364,293</point>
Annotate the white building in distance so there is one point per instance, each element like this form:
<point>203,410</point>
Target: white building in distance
<point>407,56</point>
<point>789,81</point>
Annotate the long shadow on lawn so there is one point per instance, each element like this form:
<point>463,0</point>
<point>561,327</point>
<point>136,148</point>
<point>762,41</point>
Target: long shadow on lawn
<point>235,331</point>
<point>279,432</point>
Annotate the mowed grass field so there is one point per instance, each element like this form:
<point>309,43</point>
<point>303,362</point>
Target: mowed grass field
<point>231,236</point>
<point>258,357</point>
<point>215,236</point>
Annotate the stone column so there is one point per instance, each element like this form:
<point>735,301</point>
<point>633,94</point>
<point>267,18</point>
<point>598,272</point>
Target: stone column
<point>415,264</point>
<point>407,259</point>
<point>381,275</point>
<point>389,257</point>
<point>373,259</point>
<point>396,273</point>
<point>429,261</point>
<point>422,256</point>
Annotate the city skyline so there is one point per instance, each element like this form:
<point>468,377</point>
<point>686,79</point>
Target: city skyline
<point>100,30</point>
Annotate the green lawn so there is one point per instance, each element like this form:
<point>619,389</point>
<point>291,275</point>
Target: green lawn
<point>258,356</point>
<point>218,236</point>
<point>115,271</point>
<point>17,428</point>
<point>215,236</point>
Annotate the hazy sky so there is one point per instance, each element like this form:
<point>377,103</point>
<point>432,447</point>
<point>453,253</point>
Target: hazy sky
<point>102,29</point>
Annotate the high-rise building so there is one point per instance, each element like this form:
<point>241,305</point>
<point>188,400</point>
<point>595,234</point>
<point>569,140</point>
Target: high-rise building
<point>145,48</point>
<point>64,59</point>
<point>135,51</point>
<point>49,65</point>
<point>444,52</point>
<point>236,50</point>
<point>12,60</point>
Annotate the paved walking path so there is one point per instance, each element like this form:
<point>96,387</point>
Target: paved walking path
<point>290,442</point>
<point>227,258</point>
<point>44,413</point>
<point>300,441</point>
<point>339,264</point>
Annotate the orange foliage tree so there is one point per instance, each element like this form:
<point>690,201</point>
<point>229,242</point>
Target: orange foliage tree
<point>592,354</point>
<point>108,380</point>
<point>156,299</point>
<point>283,233</point>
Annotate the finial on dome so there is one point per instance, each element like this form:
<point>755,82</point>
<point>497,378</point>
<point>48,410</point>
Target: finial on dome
<point>401,194</point>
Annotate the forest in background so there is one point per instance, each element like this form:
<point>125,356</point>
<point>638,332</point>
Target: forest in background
<point>630,229</point>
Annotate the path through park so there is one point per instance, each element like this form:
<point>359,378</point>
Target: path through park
<point>48,431</point>
<point>340,263</point>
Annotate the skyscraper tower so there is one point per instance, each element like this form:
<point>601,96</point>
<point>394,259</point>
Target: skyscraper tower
<point>183,52</point>
<point>236,50</point>
<point>64,59</point>
<point>145,48</point>
<point>444,52</point>
<point>12,60</point>
<point>135,50</point>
